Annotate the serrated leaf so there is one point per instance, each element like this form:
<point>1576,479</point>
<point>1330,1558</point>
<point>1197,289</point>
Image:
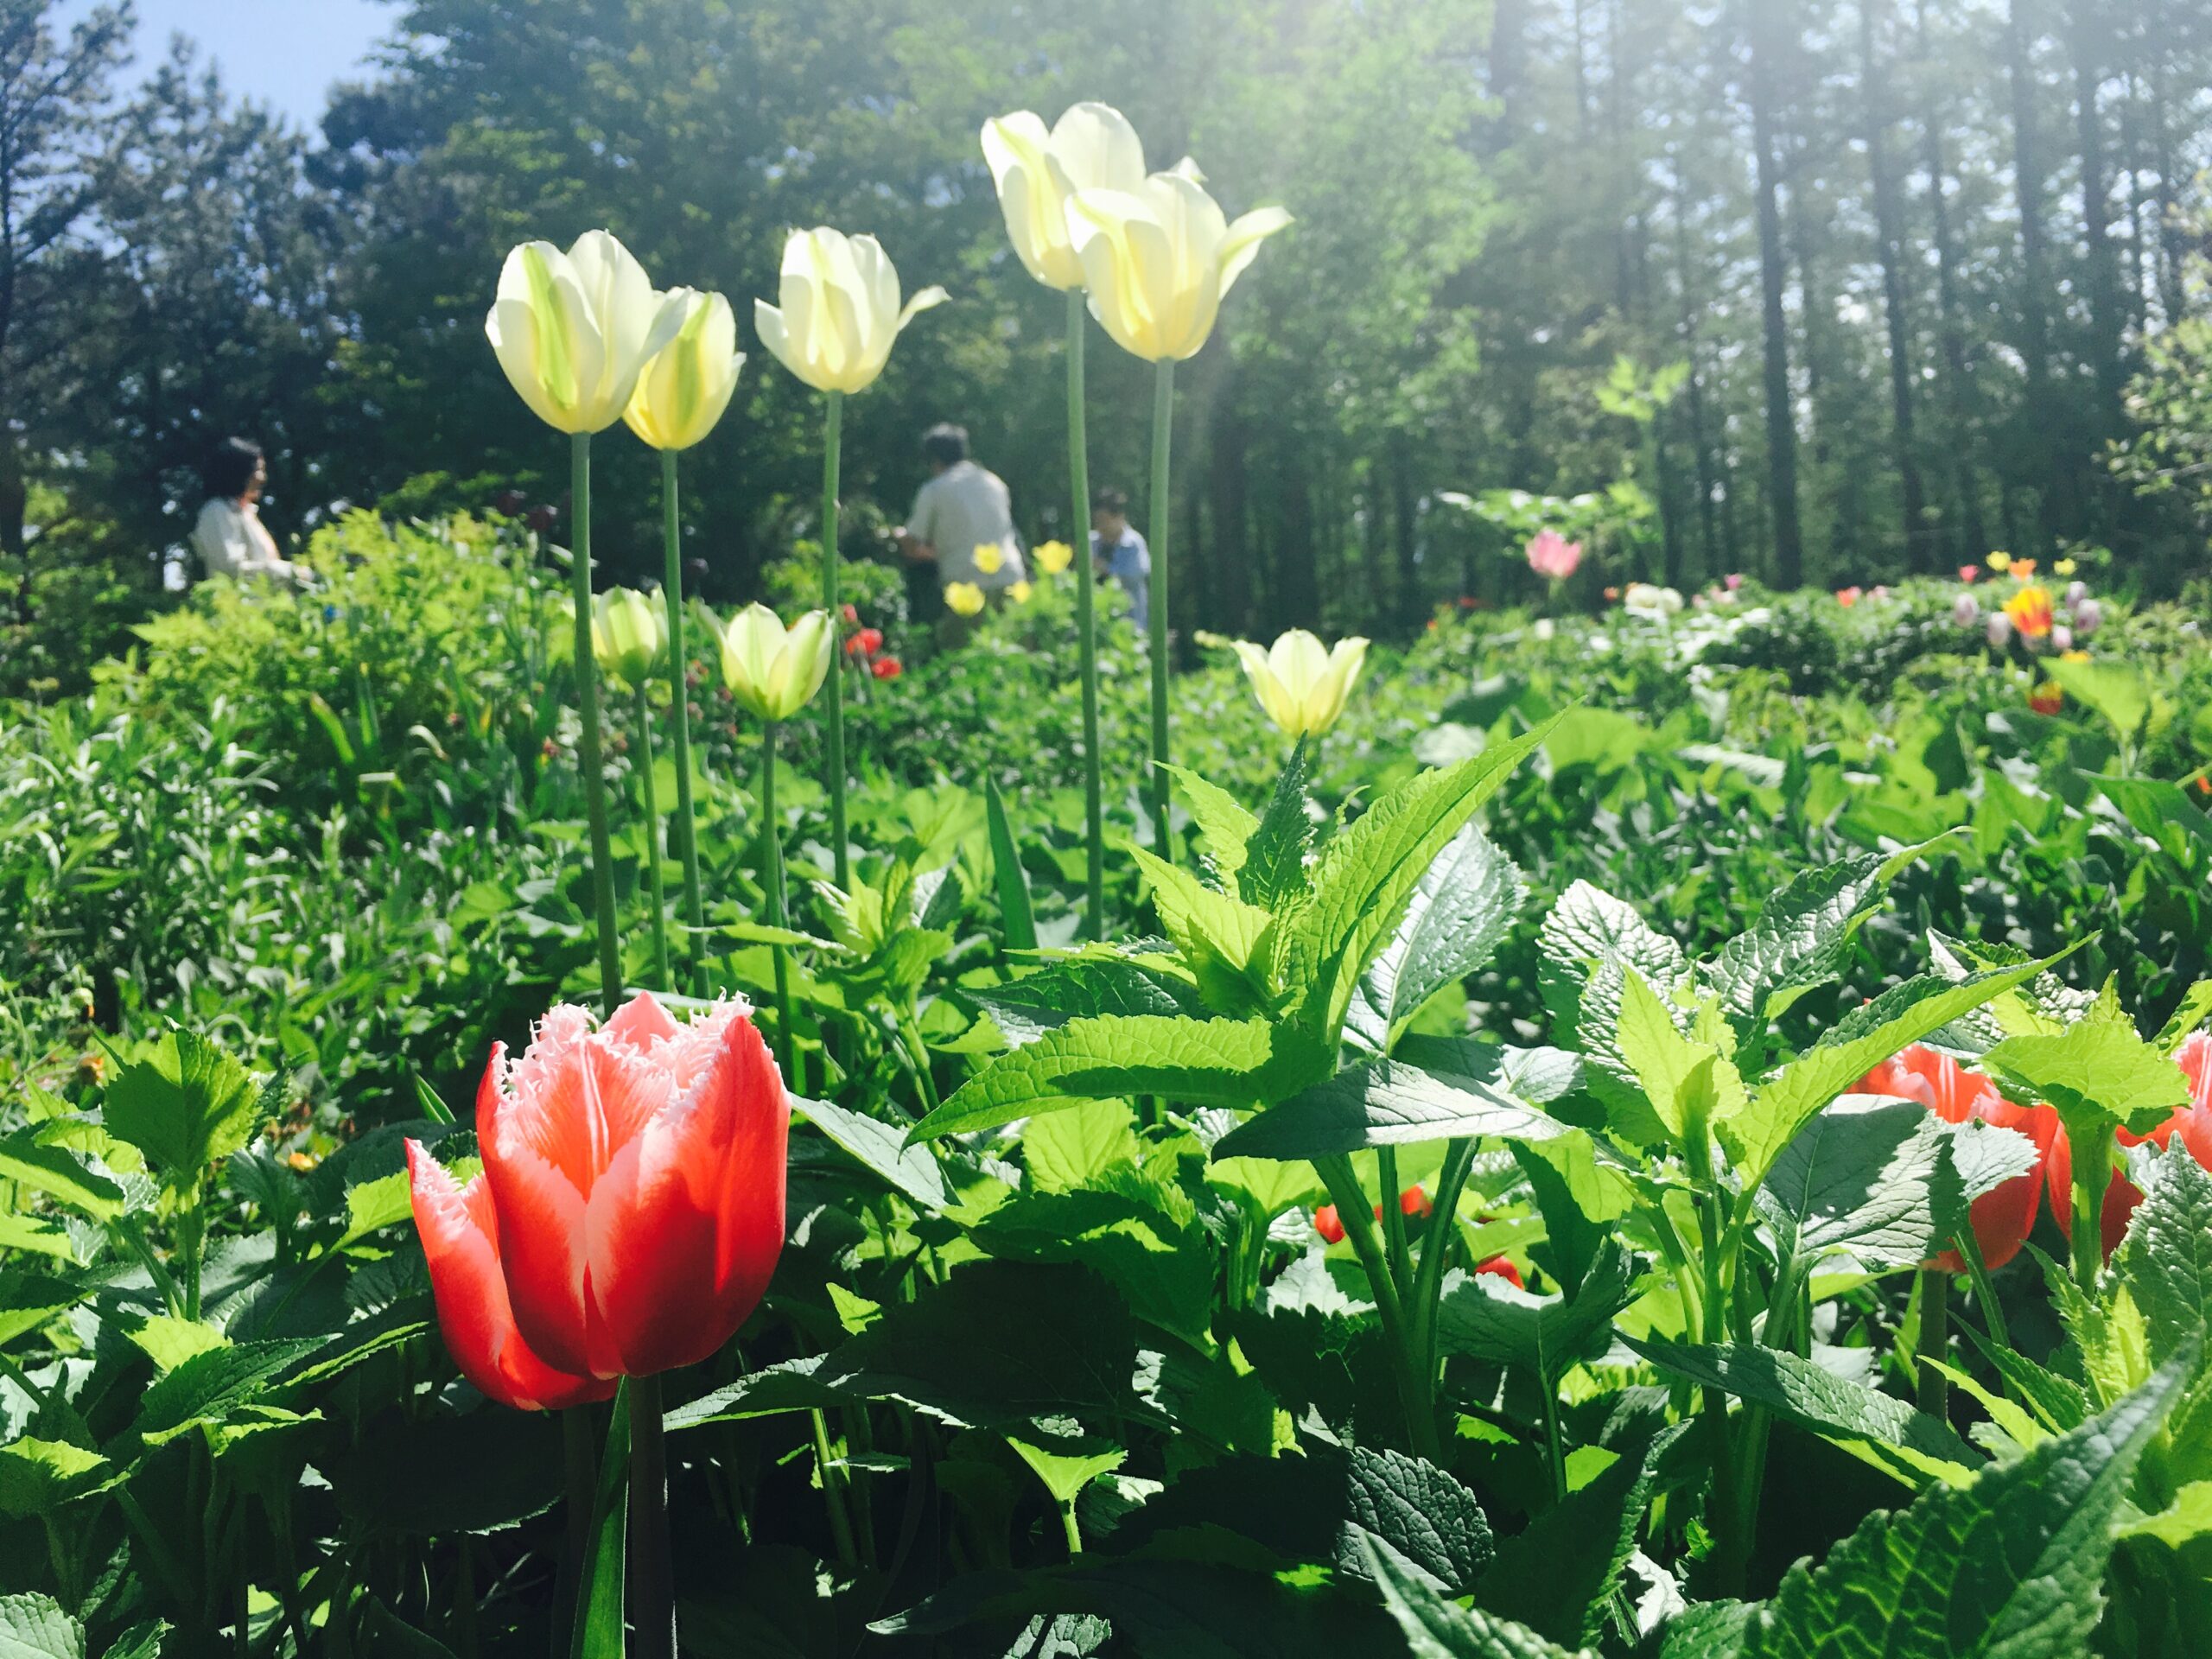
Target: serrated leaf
<point>2097,1073</point>
<point>207,1383</point>
<point>1160,1264</point>
<point>1225,825</point>
<point>1436,1629</point>
<point>2181,1523</point>
<point>1218,937</point>
<point>1462,908</point>
<point>60,1172</point>
<point>187,1106</point>
<point>2165,1262</point>
<point>28,1301</point>
<point>34,1627</point>
<point>1384,1104</point>
<point>881,1149</point>
<point>1587,929</point>
<point>1069,1149</point>
<point>1065,1465</point>
<point>1081,988</point>
<point>1273,873</point>
<point>1681,1079</point>
<point>2114,689</point>
<point>2006,1567</point>
<point>38,1477</point>
<point>1910,1445</point>
<point>1486,1317</point>
<point>1799,941</point>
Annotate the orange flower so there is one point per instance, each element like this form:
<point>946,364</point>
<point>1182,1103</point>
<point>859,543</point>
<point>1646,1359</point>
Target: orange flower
<point>2023,568</point>
<point>2002,1218</point>
<point>1848,596</point>
<point>2030,610</point>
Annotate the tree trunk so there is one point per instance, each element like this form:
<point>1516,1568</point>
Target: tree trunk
<point>2172,247</point>
<point>1781,419</point>
<point>2039,444</point>
<point>1889,223</point>
<point>1413,600</point>
<point>1974,534</point>
<point>2088,43</point>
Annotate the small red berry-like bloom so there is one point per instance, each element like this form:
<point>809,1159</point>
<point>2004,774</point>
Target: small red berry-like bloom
<point>1501,1268</point>
<point>1326,1223</point>
<point>2002,1219</point>
<point>1612,593</point>
<point>1414,1202</point>
<point>887,668</point>
<point>2047,698</point>
<point>1847,597</point>
<point>1969,573</point>
<point>852,616</point>
<point>631,1209</point>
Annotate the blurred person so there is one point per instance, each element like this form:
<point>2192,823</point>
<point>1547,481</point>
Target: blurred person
<point>1119,554</point>
<point>963,523</point>
<point>230,538</point>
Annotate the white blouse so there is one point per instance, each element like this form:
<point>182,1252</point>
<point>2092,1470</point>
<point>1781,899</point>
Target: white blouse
<point>232,541</point>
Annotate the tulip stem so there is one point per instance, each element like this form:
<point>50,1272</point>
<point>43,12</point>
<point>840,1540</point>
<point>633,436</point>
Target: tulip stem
<point>779,914</point>
<point>1985,1293</point>
<point>833,1496</point>
<point>1414,1391</point>
<point>1394,1221</point>
<point>587,759</point>
<point>653,851</point>
<point>1086,622</point>
<point>1933,1388</point>
<point>679,692</point>
<point>652,1581</point>
<point>2092,1171</point>
<point>833,438</point>
<point>1436,1248</point>
<point>1163,426</point>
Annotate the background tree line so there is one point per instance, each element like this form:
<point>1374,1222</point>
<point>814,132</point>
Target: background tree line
<point>1847,289</point>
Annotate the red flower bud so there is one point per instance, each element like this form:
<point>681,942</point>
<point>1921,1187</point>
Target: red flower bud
<point>1414,1202</point>
<point>886,668</point>
<point>851,615</point>
<point>1326,1223</point>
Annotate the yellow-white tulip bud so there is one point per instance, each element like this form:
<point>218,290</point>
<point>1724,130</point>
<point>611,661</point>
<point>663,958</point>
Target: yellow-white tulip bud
<point>1302,686</point>
<point>574,330</point>
<point>629,634</point>
<point>1091,147</point>
<point>774,671</point>
<point>840,310</point>
<point>687,386</point>
<point>1158,260</point>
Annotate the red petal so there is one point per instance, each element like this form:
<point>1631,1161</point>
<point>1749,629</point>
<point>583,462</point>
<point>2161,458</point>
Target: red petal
<point>460,1244</point>
<point>642,1022</point>
<point>1329,1225</point>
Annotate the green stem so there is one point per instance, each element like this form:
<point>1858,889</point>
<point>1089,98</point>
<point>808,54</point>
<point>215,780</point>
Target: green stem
<point>679,691</point>
<point>2092,1171</point>
<point>652,841</point>
<point>779,914</point>
<point>833,1494</point>
<point>580,1466</point>
<point>1163,426</point>
<point>588,758</point>
<point>1933,1388</point>
<point>1074,1533</point>
<point>1436,1249</point>
<point>1413,1392</point>
<point>653,1584</point>
<point>833,428</point>
<point>191,1240</point>
<point>1985,1293</point>
<point>1555,1442</point>
<point>1394,1220</point>
<point>1086,619</point>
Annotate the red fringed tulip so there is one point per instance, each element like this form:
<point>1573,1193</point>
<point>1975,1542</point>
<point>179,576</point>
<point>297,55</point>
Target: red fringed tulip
<point>635,1174</point>
<point>461,1241</point>
<point>2002,1219</point>
<point>2121,1195</point>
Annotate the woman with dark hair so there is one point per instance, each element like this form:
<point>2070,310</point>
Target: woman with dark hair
<point>230,538</point>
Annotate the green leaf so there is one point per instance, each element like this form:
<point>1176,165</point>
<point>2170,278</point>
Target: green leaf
<point>2183,1522</point>
<point>1224,826</point>
<point>1368,873</point>
<point>881,1148</point>
<point>1682,1080</point>
<point>388,1634</point>
<point>1707,1629</point>
<point>1483,1316</point>
<point>188,1106</point>
<point>1436,1629</point>
<point>599,1630</point>
<point>60,1172</point>
<point>1066,1464</point>
<point>1204,1062</point>
<point>1788,1100</point>
<point>2009,1567</point>
<point>2165,1262</point>
<point>2115,690</point>
<point>34,1627</point>
<point>1558,1573</point>
<point>38,1477</point>
<point>1273,873</point>
<point>1160,1265</point>
<point>1908,1444</point>
<point>2097,1073</point>
<point>140,1642</point>
<point>28,1301</point>
<point>1217,936</point>
<point>445,1475</point>
<point>206,1384</point>
<point>1801,935</point>
<point>1460,912</point>
<point>1384,1104</point>
<point>1587,929</point>
<point>2191,1013</point>
<point>1012,882</point>
<point>1069,1149</point>
<point>1081,988</point>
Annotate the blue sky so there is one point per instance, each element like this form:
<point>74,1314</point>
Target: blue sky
<point>285,53</point>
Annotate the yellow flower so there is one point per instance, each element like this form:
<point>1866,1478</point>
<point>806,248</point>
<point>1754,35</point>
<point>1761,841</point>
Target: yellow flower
<point>988,558</point>
<point>963,598</point>
<point>2000,560</point>
<point>840,310</point>
<point>2073,656</point>
<point>2064,567</point>
<point>1157,259</point>
<point>574,330</point>
<point>2029,609</point>
<point>1018,592</point>
<point>1092,146</point>
<point>1053,557</point>
<point>772,671</point>
<point>687,386</point>
<point>629,634</point>
<point>1302,686</point>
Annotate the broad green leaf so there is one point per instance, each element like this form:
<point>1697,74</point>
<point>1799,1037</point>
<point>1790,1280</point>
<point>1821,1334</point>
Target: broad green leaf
<point>2114,689</point>
<point>1788,1101</point>
<point>598,1632</point>
<point>1462,908</point>
<point>1577,1197</point>
<point>34,1627</point>
<point>1066,1464</point>
<point>1268,1185</point>
<point>1012,881</point>
<point>391,1637</point>
<point>1682,1080</point>
<point>1080,987</point>
<point>1273,871</point>
<point>2189,1015</point>
<point>29,1158</point>
<point>1436,1629</point>
<point>1557,1574</point>
<point>186,1107</point>
<point>2097,1073</point>
<point>1369,872</point>
<point>1909,1444</point>
<point>1217,935</point>
<point>28,1301</point>
<point>40,1234</point>
<point>2183,1522</point>
<point>2008,1566</point>
<point>1203,1062</point>
<point>169,1341</point>
<point>1224,826</point>
<point>1801,935</point>
<point>2165,1262</point>
<point>1485,1316</point>
<point>1587,928</point>
<point>206,1384</point>
<point>2057,1401</point>
<point>1384,1104</point>
<point>38,1477</point>
<point>140,1642</point>
<point>1159,1263</point>
<point>1707,1629</point>
<point>1072,1148</point>
<point>881,1148</point>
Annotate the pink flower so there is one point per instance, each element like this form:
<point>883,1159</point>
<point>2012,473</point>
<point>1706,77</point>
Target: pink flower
<point>1846,597</point>
<point>1734,581</point>
<point>1553,557</point>
<point>1969,573</point>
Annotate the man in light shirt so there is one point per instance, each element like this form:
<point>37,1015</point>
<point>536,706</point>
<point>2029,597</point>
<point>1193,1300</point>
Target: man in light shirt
<point>1121,555</point>
<point>229,537</point>
<point>963,522</point>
